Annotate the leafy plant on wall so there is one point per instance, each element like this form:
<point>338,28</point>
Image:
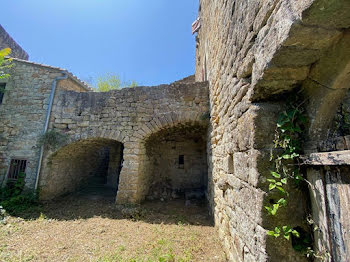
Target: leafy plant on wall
<point>52,140</point>
<point>288,142</point>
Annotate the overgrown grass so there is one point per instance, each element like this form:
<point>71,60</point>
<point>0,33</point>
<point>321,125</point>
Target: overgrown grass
<point>79,228</point>
<point>14,200</point>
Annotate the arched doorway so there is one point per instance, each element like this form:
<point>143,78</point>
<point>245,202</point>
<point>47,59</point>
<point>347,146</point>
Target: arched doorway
<point>93,164</point>
<point>175,165</point>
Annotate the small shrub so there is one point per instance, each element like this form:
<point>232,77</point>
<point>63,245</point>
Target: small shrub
<point>21,203</point>
<point>112,82</point>
<point>52,140</point>
<point>14,200</point>
<point>13,189</point>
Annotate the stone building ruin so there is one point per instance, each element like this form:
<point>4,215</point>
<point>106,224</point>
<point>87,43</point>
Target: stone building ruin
<point>214,134</point>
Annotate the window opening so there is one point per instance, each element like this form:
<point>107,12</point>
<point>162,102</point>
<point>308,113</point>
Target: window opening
<point>2,91</point>
<point>181,161</point>
<point>17,166</point>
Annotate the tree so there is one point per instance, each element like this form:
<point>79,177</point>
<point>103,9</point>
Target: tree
<point>4,62</point>
<point>112,82</point>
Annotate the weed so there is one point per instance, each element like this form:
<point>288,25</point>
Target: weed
<point>14,200</point>
<point>52,140</point>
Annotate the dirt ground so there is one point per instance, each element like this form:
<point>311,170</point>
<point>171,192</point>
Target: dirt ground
<point>88,226</point>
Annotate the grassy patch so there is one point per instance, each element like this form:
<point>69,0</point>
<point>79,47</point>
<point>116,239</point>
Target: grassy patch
<point>77,228</point>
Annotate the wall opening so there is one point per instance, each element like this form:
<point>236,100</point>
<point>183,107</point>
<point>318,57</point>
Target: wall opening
<point>2,91</point>
<point>176,164</point>
<point>90,166</point>
<point>17,166</point>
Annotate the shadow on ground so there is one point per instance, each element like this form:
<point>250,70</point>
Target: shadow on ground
<point>100,202</point>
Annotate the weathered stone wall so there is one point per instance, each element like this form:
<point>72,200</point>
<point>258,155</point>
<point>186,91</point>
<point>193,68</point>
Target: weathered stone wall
<point>251,52</point>
<point>6,41</point>
<point>70,85</point>
<point>129,116</point>
<point>22,114</point>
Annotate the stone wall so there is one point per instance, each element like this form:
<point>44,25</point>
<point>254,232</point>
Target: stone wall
<point>253,53</point>
<point>71,85</point>
<point>6,41</point>
<point>129,116</point>
<point>22,114</point>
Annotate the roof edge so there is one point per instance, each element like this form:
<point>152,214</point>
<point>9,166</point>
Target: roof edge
<point>70,75</point>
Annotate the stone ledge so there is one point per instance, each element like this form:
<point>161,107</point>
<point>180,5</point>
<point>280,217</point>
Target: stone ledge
<point>335,158</point>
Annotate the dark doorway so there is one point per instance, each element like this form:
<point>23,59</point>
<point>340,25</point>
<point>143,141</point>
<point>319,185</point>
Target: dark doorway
<point>91,166</point>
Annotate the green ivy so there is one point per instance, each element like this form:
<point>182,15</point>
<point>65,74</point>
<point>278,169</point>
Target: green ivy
<point>288,141</point>
<point>284,231</point>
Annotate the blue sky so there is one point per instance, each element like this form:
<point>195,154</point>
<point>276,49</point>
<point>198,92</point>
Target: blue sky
<point>149,41</point>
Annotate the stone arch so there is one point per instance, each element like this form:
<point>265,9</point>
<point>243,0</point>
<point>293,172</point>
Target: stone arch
<point>171,124</point>
<point>98,132</point>
<point>131,185</point>
<point>80,163</point>
<point>167,120</point>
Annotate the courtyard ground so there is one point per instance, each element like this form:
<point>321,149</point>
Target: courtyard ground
<point>87,226</point>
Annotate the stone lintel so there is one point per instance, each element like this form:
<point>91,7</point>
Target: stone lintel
<point>335,158</point>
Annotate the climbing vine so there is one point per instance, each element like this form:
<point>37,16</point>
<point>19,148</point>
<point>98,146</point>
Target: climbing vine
<point>288,142</point>
<point>286,169</point>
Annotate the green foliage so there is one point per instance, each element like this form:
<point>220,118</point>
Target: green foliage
<point>20,204</point>
<point>284,231</point>
<point>14,200</point>
<point>288,141</point>
<point>13,189</point>
<point>272,210</point>
<point>112,82</point>
<point>4,62</point>
<point>277,182</point>
<point>52,139</point>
